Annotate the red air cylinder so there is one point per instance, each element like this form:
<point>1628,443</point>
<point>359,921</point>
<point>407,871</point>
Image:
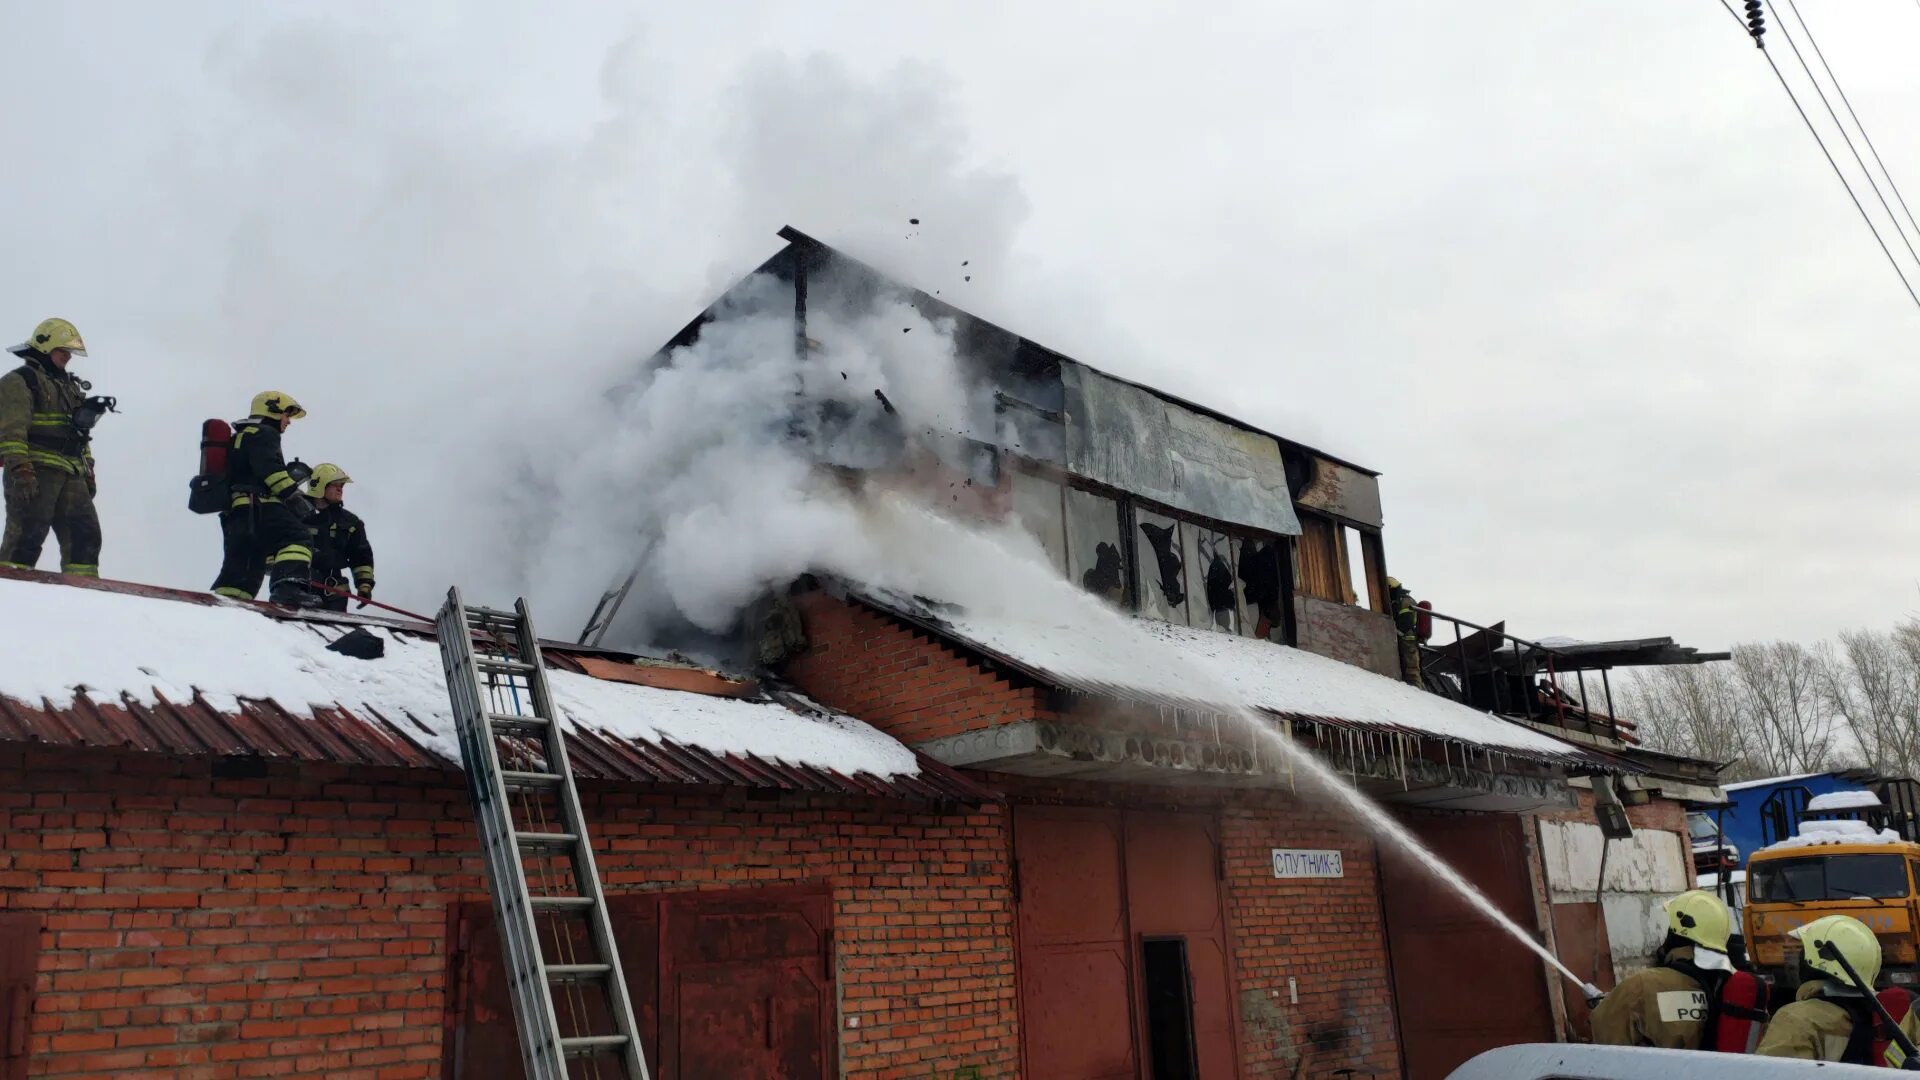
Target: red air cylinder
<point>1896,1001</point>
<point>1423,625</point>
<point>215,437</point>
<point>1742,1014</point>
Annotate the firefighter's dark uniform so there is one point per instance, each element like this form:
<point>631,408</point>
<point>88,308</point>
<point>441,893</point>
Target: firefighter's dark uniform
<point>49,468</point>
<point>261,537</point>
<point>340,547</point>
<point>1406,619</point>
<point>1664,1006</point>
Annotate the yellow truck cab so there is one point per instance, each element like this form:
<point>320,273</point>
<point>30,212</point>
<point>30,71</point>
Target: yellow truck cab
<point>1830,870</point>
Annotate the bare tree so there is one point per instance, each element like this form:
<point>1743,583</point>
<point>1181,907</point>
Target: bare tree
<point>1783,694</point>
<point>1694,710</point>
<point>1873,684</point>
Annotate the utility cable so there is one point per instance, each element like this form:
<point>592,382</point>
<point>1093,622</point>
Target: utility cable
<point>1874,150</point>
<point>1815,132</point>
<point>1845,136</point>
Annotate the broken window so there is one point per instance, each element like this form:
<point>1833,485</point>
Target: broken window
<point>1161,579</point>
<point>1095,558</point>
<point>1355,561</point>
<point>1039,504</point>
<point>1210,578</point>
<point>1262,588</point>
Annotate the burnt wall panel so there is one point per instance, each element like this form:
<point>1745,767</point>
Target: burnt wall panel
<point>1351,635</point>
<point>1344,491</point>
<point>1128,438</point>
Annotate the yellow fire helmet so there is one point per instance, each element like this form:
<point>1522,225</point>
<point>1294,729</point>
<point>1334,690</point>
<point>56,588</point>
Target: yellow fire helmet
<point>274,404</point>
<point>325,475</point>
<point>1850,938</point>
<point>1700,917</point>
<point>53,334</point>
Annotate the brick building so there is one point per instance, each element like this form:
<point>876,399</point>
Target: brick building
<point>928,838</point>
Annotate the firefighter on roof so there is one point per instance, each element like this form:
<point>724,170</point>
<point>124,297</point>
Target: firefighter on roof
<point>263,530</point>
<point>1406,620</point>
<point>1830,1018</point>
<point>1666,1005</point>
<point>339,538</point>
<point>46,421</point>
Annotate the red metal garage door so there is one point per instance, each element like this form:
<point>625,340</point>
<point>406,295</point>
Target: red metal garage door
<point>1172,890</point>
<point>1461,984</point>
<point>1095,886</point>
<point>1074,961</point>
<point>745,977</point>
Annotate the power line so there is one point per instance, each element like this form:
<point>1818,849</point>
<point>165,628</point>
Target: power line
<point>1815,132</point>
<point>1845,136</point>
<point>1874,150</point>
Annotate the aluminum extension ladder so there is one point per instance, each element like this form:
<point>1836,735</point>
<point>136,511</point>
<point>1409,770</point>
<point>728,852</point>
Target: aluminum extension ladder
<point>503,709</point>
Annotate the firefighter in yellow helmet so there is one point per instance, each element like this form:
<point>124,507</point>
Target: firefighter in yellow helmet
<point>46,422</point>
<point>340,541</point>
<point>263,530</point>
<point>1665,1005</point>
<point>1830,1019</point>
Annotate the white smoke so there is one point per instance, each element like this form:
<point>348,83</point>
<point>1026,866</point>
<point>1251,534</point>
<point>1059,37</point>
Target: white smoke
<point>464,294</point>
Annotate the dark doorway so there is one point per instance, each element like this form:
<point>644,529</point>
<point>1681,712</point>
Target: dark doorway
<point>1169,992</point>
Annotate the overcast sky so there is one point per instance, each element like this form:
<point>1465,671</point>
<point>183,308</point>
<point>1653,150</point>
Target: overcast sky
<point>1572,277</point>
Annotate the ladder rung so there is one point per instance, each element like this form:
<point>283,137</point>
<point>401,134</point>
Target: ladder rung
<point>530,781</point>
<point>546,839</point>
<point>478,613</point>
<point>511,667</point>
<point>562,973</point>
<point>516,720</point>
<point>584,1045</point>
<point>561,903</point>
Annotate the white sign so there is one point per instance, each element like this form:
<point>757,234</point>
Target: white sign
<point>1302,863</point>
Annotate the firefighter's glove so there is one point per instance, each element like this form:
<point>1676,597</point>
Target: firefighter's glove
<point>299,504</point>
<point>93,482</point>
<point>22,484</point>
<point>366,595</point>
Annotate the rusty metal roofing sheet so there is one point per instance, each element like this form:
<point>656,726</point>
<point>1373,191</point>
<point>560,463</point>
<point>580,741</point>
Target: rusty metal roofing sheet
<point>263,729</point>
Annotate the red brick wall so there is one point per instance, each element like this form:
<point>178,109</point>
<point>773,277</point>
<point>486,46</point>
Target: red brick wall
<point>899,679</point>
<point>1327,935</point>
<point>295,925</point>
<point>1657,814</point>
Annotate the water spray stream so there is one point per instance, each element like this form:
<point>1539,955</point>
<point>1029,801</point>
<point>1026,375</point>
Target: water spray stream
<point>1000,574</point>
<point>1383,824</point>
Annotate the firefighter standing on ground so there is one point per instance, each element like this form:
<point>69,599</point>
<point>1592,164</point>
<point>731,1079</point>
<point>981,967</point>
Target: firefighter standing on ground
<point>45,418</point>
<point>339,539</point>
<point>1666,1005</point>
<point>263,529</point>
<point>1830,1019</point>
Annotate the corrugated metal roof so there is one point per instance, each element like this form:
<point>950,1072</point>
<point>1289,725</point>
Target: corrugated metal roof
<point>265,729</point>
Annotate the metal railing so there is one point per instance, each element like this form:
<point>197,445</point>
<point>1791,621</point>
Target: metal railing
<point>1488,668</point>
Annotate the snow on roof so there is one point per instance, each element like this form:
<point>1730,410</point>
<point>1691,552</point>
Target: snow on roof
<point>1146,660</point>
<point>116,646</point>
<point>1712,881</point>
<point>1765,780</point>
<point>1820,833</point>
<point>1844,800</point>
